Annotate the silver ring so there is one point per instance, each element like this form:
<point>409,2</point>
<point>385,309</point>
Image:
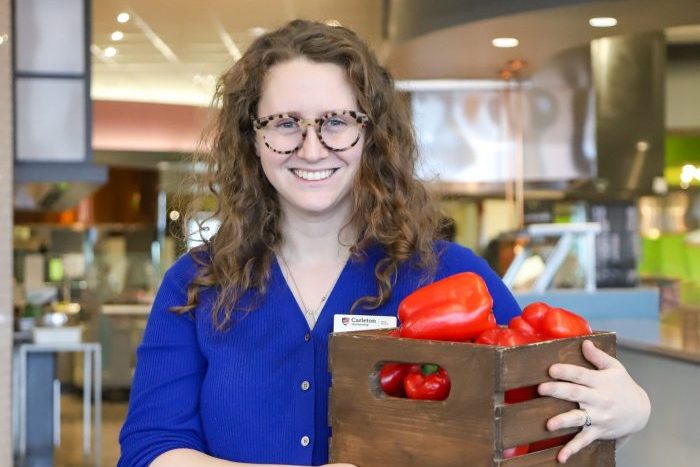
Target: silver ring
<point>588,421</point>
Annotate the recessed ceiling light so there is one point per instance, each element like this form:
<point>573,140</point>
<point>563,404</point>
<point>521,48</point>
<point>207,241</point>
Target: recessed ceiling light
<point>123,17</point>
<point>602,22</point>
<point>517,64</point>
<point>117,35</point>
<point>257,31</point>
<point>505,42</point>
<point>110,52</point>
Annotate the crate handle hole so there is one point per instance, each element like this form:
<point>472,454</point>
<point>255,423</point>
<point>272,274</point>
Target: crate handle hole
<point>417,381</point>
<point>522,394</point>
<point>551,442</point>
<point>516,451</point>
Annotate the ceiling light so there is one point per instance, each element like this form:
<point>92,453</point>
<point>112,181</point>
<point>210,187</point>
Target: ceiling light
<point>690,172</point>
<point>505,74</point>
<point>123,17</point>
<point>110,52</point>
<point>602,22</point>
<point>204,79</point>
<point>257,31</point>
<point>117,35</point>
<point>516,64</point>
<point>3,39</point>
<point>230,45</point>
<point>505,42</point>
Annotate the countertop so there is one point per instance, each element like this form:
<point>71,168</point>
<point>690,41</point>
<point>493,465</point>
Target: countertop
<point>676,334</point>
<point>126,309</point>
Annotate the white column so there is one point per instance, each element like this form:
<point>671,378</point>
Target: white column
<point>6,160</point>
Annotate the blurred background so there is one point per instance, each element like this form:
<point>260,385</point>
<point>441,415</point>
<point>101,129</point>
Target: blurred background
<point>562,139</point>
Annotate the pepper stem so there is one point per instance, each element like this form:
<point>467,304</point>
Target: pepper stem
<point>429,368</point>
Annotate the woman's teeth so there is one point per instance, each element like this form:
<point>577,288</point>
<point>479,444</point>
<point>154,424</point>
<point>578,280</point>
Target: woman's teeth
<point>313,175</point>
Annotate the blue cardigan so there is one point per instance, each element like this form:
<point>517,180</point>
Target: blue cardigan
<point>238,395</point>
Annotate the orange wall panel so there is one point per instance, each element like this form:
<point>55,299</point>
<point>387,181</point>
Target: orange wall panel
<point>138,126</point>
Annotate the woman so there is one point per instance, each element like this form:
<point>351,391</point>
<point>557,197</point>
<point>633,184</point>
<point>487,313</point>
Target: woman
<point>311,161</point>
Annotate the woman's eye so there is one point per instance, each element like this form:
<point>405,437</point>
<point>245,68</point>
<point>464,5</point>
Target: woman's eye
<point>336,122</point>
<point>286,124</point>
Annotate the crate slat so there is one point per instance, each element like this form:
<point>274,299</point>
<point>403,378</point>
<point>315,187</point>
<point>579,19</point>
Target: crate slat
<point>524,422</point>
<point>597,454</point>
<point>528,364</point>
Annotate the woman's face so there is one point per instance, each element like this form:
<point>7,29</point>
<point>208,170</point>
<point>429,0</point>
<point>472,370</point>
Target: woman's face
<point>312,180</point>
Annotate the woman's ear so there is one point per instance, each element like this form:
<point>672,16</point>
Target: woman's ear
<point>256,144</point>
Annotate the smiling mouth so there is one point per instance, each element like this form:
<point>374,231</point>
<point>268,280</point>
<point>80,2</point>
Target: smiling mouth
<point>313,175</point>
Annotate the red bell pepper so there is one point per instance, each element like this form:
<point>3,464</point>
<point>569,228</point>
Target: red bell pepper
<point>391,378</point>
<point>534,313</point>
<point>466,288</point>
<point>516,451</point>
<point>427,382</point>
<point>522,326</point>
<point>504,337</point>
<point>492,321</point>
<point>447,321</point>
<point>552,323</point>
<point>526,393</point>
<point>559,323</point>
<point>550,443</point>
<point>489,337</point>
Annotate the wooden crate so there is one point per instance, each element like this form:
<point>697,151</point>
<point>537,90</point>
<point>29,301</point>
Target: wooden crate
<point>472,426</point>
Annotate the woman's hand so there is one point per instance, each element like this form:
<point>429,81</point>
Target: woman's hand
<point>616,405</point>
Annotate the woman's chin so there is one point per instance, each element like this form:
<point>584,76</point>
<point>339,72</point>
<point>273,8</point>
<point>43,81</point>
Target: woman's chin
<point>326,207</point>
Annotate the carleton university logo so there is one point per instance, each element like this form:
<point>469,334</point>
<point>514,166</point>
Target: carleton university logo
<point>345,320</point>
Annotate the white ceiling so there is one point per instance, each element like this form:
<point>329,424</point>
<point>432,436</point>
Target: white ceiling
<point>172,49</point>
<point>542,35</point>
<point>197,32</point>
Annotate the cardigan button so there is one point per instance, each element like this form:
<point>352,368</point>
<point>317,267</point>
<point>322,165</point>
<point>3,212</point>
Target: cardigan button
<point>305,441</point>
<point>305,385</point>
<point>307,336</point>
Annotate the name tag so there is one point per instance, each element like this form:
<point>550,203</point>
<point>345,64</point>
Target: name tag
<point>347,323</point>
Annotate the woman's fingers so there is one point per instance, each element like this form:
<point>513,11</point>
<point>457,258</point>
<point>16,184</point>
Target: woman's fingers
<point>574,373</point>
<point>617,405</point>
<point>568,391</point>
<point>580,441</point>
<point>599,358</point>
<point>572,418</point>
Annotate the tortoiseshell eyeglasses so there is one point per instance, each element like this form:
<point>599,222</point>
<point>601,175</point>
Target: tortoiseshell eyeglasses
<point>338,131</point>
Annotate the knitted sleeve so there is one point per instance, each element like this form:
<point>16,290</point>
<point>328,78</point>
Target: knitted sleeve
<point>164,403</point>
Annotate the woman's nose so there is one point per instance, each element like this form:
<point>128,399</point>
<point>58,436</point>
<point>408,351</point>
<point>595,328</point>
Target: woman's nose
<point>312,149</point>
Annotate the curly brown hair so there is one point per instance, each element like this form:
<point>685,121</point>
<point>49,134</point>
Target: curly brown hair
<point>390,207</point>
